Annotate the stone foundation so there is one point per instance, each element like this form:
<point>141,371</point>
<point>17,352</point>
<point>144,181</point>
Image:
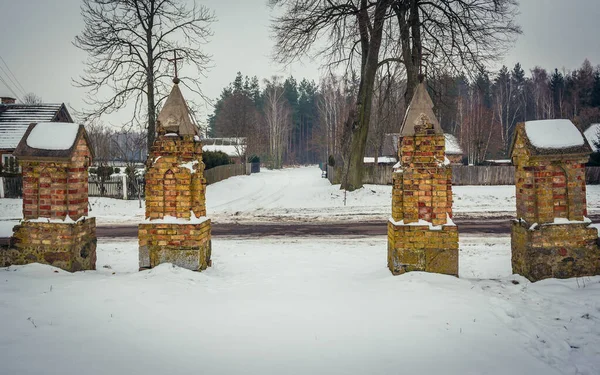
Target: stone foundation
<point>419,248</point>
<point>69,246</point>
<point>185,245</point>
<point>554,250</point>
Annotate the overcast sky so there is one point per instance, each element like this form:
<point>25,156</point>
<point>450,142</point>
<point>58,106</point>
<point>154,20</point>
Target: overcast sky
<point>36,43</point>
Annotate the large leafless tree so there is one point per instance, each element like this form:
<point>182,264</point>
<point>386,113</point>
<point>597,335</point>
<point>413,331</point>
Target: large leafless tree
<point>456,36</point>
<point>129,44</point>
<point>443,35</point>
<point>354,30</point>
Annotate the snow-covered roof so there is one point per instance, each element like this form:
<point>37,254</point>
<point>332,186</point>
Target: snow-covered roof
<point>553,134</point>
<point>53,136</point>
<point>381,159</point>
<point>230,150</point>
<point>452,145</point>
<point>51,141</point>
<point>227,141</point>
<point>498,161</point>
<point>16,118</point>
<point>592,134</point>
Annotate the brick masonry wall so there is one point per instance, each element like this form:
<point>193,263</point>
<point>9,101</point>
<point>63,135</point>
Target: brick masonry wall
<point>57,189</point>
<point>422,191</point>
<point>174,190</point>
<point>548,187</point>
<point>171,189</point>
<point>70,246</point>
<point>417,248</point>
<point>185,245</point>
<point>559,251</point>
<point>426,184</point>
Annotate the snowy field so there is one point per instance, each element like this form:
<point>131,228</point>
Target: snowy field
<point>297,306</point>
<point>299,195</point>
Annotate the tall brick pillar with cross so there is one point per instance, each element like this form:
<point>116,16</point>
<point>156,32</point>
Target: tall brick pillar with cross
<point>176,229</point>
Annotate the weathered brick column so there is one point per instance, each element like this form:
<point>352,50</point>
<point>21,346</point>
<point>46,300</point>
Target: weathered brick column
<point>421,234</point>
<point>552,236</point>
<point>176,228</point>
<point>55,229</point>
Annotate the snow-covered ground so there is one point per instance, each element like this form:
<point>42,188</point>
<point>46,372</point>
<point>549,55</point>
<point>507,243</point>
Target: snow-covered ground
<point>297,306</point>
<point>299,194</point>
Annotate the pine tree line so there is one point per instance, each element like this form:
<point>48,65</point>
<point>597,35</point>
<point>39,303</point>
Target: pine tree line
<point>305,124</point>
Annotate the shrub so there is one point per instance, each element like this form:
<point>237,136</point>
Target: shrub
<point>104,172</point>
<point>215,158</point>
<point>254,159</point>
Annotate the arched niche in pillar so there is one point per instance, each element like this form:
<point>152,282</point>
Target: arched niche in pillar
<point>169,193</point>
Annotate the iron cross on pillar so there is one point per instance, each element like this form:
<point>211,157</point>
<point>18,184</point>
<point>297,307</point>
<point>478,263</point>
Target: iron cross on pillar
<point>174,61</point>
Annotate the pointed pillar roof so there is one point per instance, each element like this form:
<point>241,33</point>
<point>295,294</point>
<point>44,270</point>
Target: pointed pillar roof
<point>421,104</point>
<point>174,117</point>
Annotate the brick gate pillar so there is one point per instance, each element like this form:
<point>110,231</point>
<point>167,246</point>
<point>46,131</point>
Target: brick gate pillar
<point>421,234</point>
<point>551,236</point>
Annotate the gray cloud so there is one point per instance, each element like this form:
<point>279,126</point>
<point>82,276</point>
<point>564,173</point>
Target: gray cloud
<point>37,36</point>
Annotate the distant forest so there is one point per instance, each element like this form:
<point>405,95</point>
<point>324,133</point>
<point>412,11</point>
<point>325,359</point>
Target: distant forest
<point>299,122</point>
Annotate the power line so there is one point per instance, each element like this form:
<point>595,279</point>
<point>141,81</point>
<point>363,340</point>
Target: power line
<point>9,88</point>
<point>13,84</point>
<point>15,77</point>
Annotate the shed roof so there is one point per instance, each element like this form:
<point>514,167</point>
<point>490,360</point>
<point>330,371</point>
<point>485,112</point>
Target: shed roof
<point>31,147</point>
<point>16,118</point>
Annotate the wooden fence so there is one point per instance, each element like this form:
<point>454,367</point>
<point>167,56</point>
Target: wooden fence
<point>375,174</point>
<point>461,175</point>
<point>483,175</point>
<point>223,172</point>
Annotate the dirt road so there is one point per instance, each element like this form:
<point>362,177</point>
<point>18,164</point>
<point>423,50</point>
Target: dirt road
<point>496,226</point>
<point>481,226</point>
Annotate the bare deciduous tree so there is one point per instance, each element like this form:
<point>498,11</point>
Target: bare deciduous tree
<point>448,35</point>
<point>457,36</point>
<point>100,138</point>
<point>31,98</point>
<point>388,109</point>
<point>354,30</point>
<point>129,43</point>
<point>277,120</point>
<point>333,111</point>
<point>506,105</point>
